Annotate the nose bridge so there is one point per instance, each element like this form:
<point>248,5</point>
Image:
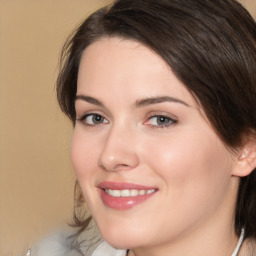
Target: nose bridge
<point>119,151</point>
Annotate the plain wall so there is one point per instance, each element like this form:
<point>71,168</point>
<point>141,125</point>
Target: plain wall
<point>36,177</point>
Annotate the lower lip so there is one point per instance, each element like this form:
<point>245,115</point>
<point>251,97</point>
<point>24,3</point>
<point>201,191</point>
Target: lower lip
<point>123,203</point>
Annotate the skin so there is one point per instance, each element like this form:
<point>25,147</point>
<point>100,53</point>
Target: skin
<point>192,212</point>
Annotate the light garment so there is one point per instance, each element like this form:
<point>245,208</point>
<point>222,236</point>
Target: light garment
<point>104,249</point>
<point>59,248</point>
<point>87,243</point>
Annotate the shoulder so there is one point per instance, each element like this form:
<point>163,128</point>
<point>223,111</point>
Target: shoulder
<point>64,243</point>
<point>54,244</point>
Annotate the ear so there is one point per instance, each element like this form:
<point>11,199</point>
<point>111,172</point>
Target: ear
<point>246,159</point>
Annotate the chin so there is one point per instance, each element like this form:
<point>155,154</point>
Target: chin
<point>121,239</point>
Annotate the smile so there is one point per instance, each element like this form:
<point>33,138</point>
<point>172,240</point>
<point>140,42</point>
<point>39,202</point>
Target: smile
<point>123,196</point>
<point>129,192</point>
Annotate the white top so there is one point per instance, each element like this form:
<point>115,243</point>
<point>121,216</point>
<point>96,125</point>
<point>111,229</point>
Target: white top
<point>60,243</point>
<point>56,248</point>
<point>104,249</point>
<point>88,243</point>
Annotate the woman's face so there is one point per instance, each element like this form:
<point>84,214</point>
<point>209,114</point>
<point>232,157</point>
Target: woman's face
<point>149,164</point>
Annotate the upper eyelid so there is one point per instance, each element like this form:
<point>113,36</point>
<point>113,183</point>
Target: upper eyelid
<point>92,109</point>
<point>82,113</point>
<point>161,113</point>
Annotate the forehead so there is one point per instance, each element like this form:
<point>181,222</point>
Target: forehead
<point>127,67</point>
<point>124,54</point>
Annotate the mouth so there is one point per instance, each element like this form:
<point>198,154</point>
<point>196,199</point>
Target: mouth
<point>123,196</point>
<point>128,192</point>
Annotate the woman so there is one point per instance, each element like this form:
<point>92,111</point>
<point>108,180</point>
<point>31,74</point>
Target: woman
<point>162,95</point>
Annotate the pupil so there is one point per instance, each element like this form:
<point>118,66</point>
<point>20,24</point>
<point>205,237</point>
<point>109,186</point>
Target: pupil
<point>162,120</point>
<point>97,119</point>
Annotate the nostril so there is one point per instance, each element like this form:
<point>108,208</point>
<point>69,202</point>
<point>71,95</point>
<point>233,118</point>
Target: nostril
<point>117,167</point>
<point>122,167</point>
<point>115,158</point>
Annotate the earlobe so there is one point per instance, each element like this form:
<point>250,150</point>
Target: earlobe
<point>246,161</point>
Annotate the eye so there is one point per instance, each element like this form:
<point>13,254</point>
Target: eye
<point>93,119</point>
<point>160,121</point>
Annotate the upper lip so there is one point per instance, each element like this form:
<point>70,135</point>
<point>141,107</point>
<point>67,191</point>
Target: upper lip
<point>122,185</point>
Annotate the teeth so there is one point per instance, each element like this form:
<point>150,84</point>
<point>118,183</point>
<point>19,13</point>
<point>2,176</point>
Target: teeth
<point>142,192</point>
<point>134,192</point>
<point>116,193</point>
<point>124,193</point>
<point>150,191</point>
<point>128,192</point>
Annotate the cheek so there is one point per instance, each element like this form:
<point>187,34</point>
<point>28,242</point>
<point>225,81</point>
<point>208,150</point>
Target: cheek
<point>84,161</point>
<point>82,155</point>
<point>191,165</point>
<point>194,174</point>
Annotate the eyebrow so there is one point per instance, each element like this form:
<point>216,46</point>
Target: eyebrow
<point>89,100</point>
<point>138,103</point>
<point>157,100</point>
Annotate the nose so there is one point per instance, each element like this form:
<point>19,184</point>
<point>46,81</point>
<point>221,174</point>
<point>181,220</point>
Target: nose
<point>119,151</point>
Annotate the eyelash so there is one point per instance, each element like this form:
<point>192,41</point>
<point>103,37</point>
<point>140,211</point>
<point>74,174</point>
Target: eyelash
<point>170,121</point>
<point>92,115</point>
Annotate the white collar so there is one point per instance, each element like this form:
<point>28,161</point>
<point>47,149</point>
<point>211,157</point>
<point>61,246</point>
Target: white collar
<point>104,249</point>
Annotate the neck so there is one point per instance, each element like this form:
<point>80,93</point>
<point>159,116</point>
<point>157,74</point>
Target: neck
<point>197,243</point>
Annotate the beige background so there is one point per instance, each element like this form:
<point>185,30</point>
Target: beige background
<point>36,177</point>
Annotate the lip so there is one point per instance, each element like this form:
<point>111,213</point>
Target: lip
<point>123,203</point>
<point>122,185</point>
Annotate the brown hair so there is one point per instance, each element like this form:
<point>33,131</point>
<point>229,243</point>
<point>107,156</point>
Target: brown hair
<point>210,46</point>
